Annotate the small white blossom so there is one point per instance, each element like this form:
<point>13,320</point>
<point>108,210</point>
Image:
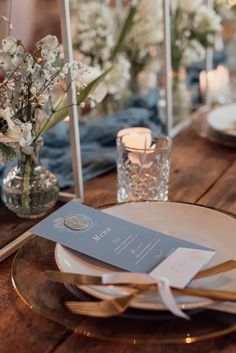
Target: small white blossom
<point>5,61</point>
<point>49,41</point>
<point>95,30</point>
<point>9,131</point>
<point>193,53</point>
<point>26,134</point>
<point>118,78</point>
<point>74,70</point>
<point>10,45</point>
<point>206,19</point>
<point>65,69</point>
<point>19,56</point>
<point>89,74</point>
<point>147,30</point>
<point>49,47</point>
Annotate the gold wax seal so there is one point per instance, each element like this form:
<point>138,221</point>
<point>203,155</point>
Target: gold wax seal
<point>77,222</point>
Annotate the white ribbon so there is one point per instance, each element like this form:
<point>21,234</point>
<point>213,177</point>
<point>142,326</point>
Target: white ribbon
<point>168,299</point>
<point>163,287</point>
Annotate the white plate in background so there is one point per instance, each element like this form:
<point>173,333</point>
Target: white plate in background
<point>223,119</point>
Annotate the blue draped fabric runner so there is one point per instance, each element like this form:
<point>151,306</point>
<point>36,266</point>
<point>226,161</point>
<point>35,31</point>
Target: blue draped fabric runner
<point>98,141</point>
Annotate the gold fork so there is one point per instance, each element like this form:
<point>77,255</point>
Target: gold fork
<point>103,308</point>
<point>116,306</point>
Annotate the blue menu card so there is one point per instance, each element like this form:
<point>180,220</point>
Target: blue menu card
<point>116,242</point>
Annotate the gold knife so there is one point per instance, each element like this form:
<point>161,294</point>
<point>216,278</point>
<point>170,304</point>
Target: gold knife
<point>83,279</point>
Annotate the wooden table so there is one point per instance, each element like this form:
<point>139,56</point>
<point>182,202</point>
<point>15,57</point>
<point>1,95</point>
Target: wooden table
<point>202,173</point>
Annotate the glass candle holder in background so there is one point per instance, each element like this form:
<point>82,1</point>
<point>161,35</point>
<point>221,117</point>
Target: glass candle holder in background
<point>143,165</point>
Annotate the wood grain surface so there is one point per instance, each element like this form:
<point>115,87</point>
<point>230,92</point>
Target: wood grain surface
<point>202,173</point>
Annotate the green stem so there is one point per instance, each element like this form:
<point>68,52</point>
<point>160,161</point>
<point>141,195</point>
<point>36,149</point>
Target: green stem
<point>26,183</point>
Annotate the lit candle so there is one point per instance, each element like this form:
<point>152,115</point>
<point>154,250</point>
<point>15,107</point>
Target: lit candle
<point>214,83</point>
<point>136,137</point>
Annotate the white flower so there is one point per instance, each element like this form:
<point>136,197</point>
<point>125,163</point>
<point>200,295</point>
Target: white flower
<point>49,54</point>
<point>9,131</point>
<point>95,32</point>
<point>26,134</point>
<point>10,45</point>
<point>5,61</point>
<point>65,69</point>
<point>74,70</point>
<point>49,41</point>
<point>207,20</point>
<point>190,5</point>
<point>19,56</point>
<point>147,30</point>
<point>27,85</point>
<point>119,76</point>
<point>194,52</point>
<point>88,74</point>
<point>30,63</point>
<point>49,47</point>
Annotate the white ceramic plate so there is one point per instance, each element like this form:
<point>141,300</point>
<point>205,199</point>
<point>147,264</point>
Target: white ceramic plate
<point>223,119</point>
<point>189,222</point>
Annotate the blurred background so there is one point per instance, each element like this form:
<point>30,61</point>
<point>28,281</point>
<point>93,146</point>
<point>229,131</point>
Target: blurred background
<point>31,19</point>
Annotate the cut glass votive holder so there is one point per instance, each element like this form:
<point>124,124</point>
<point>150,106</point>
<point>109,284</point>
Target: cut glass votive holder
<point>143,165</point>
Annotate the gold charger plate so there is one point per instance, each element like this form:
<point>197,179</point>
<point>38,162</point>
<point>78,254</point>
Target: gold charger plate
<point>47,298</point>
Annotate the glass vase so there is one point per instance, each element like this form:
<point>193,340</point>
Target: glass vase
<point>181,96</point>
<point>30,189</point>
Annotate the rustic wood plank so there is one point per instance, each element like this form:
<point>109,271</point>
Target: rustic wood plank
<point>101,191</point>
<point>223,193</point>
<point>12,226</point>
<point>21,329</point>
<point>88,345</point>
<point>196,165</point>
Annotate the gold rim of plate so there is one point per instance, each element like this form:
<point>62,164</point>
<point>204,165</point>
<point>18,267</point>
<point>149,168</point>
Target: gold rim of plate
<point>185,338</point>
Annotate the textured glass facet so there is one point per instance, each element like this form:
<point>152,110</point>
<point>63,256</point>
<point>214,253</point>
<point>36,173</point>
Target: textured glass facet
<point>143,174</point>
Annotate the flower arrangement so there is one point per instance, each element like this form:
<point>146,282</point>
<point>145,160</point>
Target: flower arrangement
<point>102,36</point>
<point>194,27</point>
<point>97,41</point>
<point>142,41</point>
<point>28,108</point>
<point>26,92</point>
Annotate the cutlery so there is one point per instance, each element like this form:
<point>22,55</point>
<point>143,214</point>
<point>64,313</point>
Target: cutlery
<point>103,308</point>
<point>141,278</point>
<point>116,306</point>
<point>143,283</point>
<point>220,268</point>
